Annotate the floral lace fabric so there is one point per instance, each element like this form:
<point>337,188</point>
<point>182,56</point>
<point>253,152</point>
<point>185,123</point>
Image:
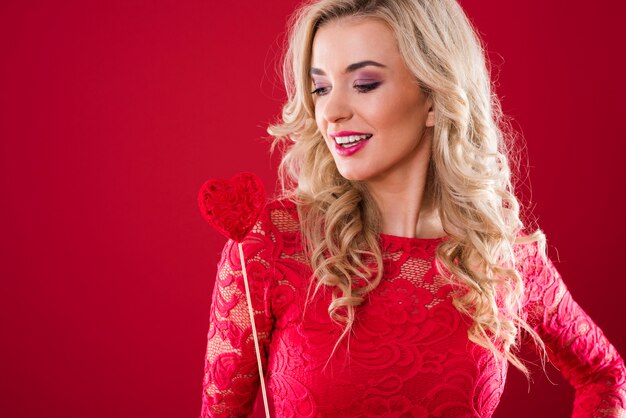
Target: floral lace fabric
<point>408,354</point>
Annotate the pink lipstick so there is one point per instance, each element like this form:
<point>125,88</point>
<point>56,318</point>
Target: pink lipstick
<point>346,152</point>
<point>347,148</point>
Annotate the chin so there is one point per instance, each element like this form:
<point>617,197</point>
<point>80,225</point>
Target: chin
<point>352,176</point>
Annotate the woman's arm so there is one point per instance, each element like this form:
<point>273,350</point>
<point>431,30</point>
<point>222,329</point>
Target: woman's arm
<point>575,344</point>
<point>231,377</point>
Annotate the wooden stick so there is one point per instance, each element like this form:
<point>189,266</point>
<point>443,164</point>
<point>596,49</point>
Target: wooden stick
<point>254,334</point>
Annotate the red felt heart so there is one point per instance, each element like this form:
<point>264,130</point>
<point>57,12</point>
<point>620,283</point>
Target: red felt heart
<point>232,206</point>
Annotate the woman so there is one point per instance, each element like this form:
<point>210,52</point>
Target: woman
<point>394,277</point>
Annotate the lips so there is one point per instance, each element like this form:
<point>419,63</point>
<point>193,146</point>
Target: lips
<point>346,133</point>
<point>350,149</point>
<point>347,139</point>
<point>349,142</point>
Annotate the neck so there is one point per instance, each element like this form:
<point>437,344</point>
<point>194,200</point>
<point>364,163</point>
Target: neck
<point>406,207</point>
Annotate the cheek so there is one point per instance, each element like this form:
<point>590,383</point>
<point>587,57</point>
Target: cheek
<point>383,111</point>
<point>319,121</point>
<point>322,127</point>
<point>398,107</point>
<point>405,121</point>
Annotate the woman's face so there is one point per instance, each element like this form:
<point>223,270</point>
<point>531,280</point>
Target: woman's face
<point>363,87</point>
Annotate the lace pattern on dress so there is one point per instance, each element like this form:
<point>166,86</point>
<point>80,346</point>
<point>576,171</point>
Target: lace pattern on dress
<point>408,355</point>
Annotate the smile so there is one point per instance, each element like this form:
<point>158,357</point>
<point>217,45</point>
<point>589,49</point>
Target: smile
<point>351,140</point>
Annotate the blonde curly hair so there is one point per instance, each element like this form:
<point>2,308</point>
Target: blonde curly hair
<point>469,178</point>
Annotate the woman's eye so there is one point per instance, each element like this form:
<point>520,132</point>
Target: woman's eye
<point>320,91</point>
<point>364,88</point>
<point>361,88</point>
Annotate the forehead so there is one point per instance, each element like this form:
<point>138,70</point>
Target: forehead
<point>343,41</point>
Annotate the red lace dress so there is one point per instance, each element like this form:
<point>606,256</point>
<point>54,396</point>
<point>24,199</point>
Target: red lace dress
<point>409,354</point>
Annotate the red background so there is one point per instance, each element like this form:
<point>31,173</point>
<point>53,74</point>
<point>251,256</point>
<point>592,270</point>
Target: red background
<point>112,114</point>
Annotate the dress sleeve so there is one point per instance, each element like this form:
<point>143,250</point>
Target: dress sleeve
<point>231,375</point>
<point>574,343</point>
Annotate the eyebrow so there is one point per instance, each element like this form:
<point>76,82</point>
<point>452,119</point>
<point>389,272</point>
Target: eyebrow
<point>350,68</point>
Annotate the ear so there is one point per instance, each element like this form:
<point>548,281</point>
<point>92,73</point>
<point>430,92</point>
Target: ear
<point>430,116</point>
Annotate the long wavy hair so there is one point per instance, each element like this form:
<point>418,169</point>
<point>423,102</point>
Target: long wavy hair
<point>469,178</point>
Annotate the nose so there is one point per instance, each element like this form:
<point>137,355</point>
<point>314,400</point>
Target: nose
<point>337,107</point>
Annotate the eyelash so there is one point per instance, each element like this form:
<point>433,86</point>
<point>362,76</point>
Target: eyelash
<point>362,88</point>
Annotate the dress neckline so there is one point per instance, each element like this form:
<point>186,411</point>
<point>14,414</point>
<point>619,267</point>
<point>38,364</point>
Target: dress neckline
<point>396,242</point>
<point>388,242</point>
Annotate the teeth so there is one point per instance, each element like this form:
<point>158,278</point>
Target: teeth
<point>351,138</point>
